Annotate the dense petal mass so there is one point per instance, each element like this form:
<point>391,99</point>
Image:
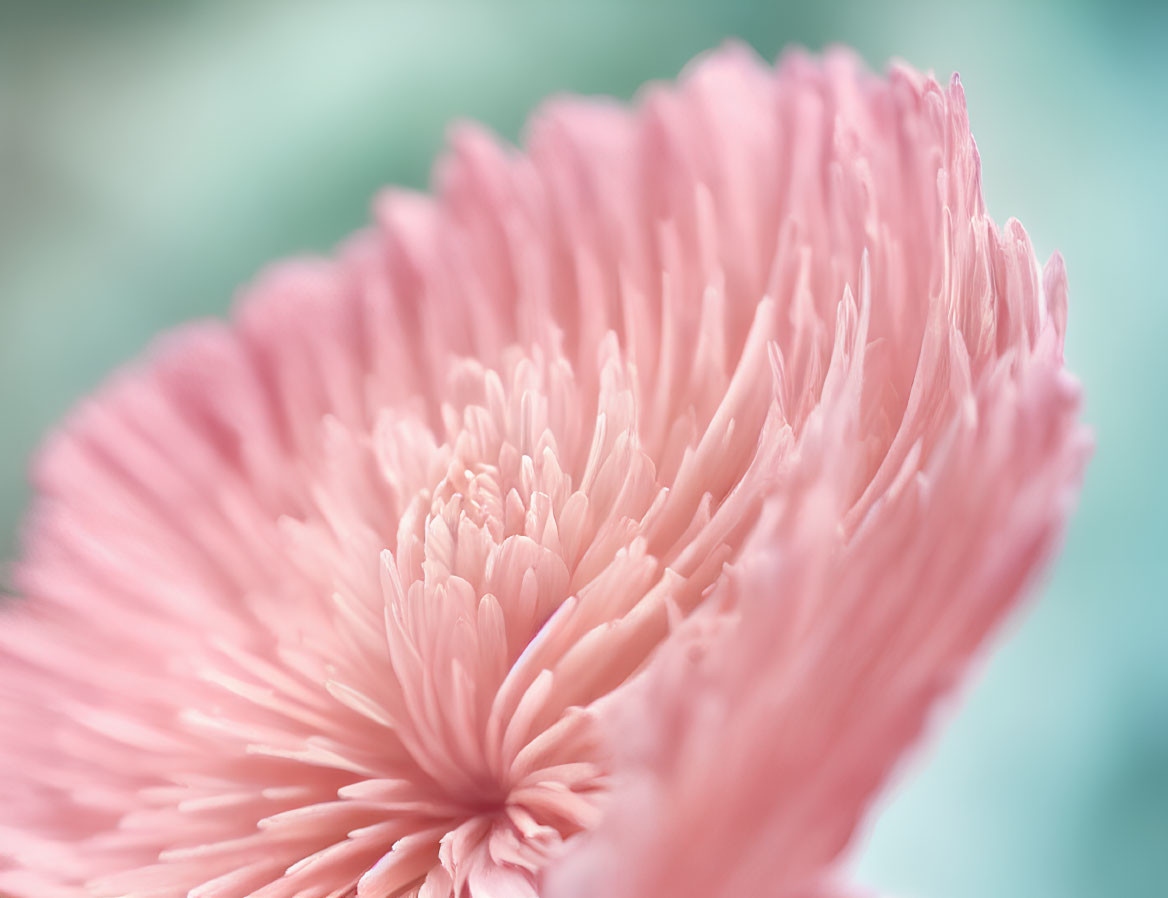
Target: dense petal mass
<point>605,524</point>
<point>761,735</point>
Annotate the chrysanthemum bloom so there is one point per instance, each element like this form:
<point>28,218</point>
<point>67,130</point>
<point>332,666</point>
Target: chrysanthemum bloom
<point>605,524</point>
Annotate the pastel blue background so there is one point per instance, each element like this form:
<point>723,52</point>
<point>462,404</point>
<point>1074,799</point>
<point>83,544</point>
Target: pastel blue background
<point>154,156</point>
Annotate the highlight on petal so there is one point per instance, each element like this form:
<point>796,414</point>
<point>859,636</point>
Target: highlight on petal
<point>607,523</point>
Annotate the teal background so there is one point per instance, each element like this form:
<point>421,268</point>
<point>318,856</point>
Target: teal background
<point>153,156</point>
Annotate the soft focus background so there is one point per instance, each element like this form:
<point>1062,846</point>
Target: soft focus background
<point>154,156</point>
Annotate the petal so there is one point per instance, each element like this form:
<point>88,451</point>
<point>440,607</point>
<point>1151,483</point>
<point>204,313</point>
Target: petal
<point>750,752</point>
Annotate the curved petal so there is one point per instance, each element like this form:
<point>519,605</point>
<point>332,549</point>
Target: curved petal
<point>749,753</point>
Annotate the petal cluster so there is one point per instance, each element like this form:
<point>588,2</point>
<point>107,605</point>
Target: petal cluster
<point>604,524</point>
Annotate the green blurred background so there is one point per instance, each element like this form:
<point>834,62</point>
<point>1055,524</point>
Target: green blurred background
<point>153,156</point>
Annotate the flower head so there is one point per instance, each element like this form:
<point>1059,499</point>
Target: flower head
<point>605,524</point>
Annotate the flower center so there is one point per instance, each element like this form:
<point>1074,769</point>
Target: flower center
<point>539,557</point>
<point>473,495</point>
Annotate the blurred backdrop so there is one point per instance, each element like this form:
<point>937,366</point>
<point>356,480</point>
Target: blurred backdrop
<point>154,156</point>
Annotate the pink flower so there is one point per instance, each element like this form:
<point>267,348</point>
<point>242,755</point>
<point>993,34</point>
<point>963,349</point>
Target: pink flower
<point>606,524</point>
